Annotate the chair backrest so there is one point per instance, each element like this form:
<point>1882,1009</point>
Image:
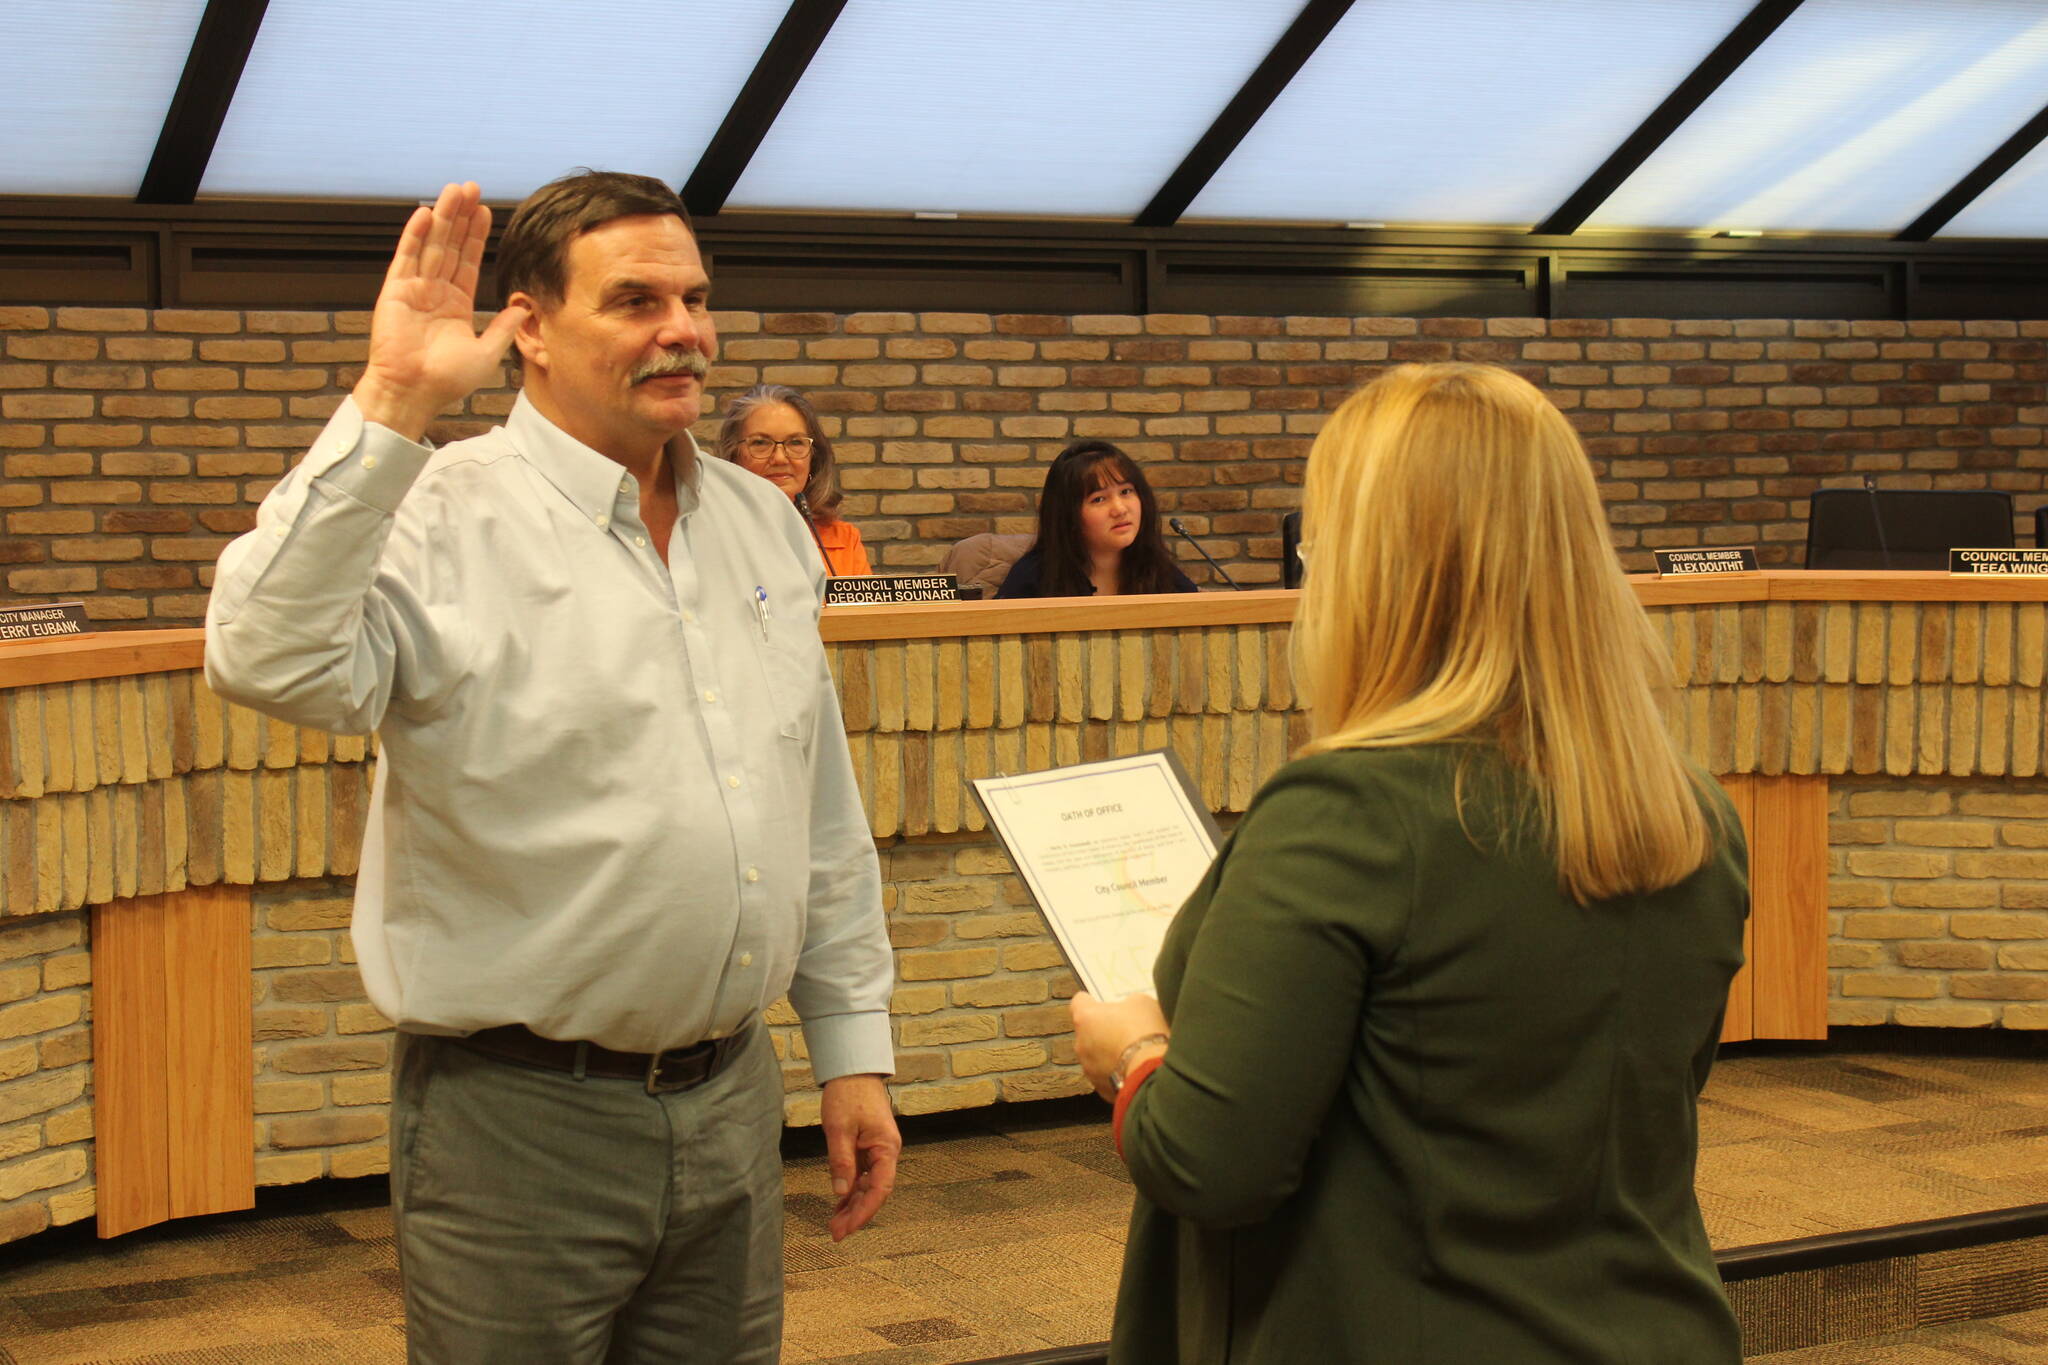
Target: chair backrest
<point>983,561</point>
<point>1290,550</point>
<point>1856,528</point>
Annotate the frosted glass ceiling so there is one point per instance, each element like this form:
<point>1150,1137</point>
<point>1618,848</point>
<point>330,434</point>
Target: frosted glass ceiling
<point>1855,117</point>
<point>1462,111</point>
<point>2016,206</point>
<point>83,90</point>
<point>1063,106</point>
<point>387,99</point>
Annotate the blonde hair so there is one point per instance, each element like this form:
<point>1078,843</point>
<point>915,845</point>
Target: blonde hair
<point>1462,584</point>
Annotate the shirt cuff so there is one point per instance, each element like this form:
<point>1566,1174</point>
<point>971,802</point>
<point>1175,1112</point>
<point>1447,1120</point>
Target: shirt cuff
<point>850,1045</point>
<point>371,463</point>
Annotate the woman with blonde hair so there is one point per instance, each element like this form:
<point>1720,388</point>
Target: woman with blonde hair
<point>1423,1085</point>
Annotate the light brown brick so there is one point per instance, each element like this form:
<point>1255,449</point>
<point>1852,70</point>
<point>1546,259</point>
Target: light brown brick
<point>949,1029</point>
<point>41,1015</point>
<point>367,1088</point>
<point>946,964</point>
<point>981,1061</point>
<point>71,1125</point>
<point>40,1094</point>
<point>1894,985</point>
<point>289,1097</point>
<point>41,1173</point>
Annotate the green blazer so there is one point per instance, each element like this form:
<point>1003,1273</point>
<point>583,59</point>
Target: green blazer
<point>1421,1108</point>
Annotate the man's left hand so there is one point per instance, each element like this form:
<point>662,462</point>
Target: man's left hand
<point>861,1147</point>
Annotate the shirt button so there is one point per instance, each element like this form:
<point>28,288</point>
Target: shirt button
<point>346,443</point>
<point>710,695</point>
<point>689,618</point>
<point>625,485</point>
<point>746,959</point>
<point>369,461</point>
<point>732,781</point>
<point>639,540</point>
<point>753,874</point>
<point>603,521</point>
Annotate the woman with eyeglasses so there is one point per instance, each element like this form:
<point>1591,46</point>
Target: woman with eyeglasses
<point>773,431</point>
<point>1420,1082</point>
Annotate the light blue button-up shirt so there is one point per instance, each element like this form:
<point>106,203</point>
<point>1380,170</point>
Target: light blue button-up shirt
<point>614,801</point>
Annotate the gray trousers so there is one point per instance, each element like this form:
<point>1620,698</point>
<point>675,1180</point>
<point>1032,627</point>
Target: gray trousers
<point>549,1220</point>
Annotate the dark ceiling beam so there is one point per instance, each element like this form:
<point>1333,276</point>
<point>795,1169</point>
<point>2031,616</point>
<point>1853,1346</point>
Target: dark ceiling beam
<point>1987,173</point>
<point>1742,42</point>
<point>213,68</point>
<point>1245,109</point>
<point>782,64</point>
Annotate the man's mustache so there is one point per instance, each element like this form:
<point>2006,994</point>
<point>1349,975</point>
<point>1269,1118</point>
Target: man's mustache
<point>672,362</point>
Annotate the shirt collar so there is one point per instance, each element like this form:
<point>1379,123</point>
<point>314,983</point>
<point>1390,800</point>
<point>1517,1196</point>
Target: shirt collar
<point>595,485</point>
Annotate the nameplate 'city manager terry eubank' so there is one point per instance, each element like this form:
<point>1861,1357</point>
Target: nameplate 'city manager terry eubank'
<point>614,814</point>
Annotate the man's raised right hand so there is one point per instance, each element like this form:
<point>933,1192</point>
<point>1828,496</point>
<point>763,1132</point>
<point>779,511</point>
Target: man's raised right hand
<point>425,354</point>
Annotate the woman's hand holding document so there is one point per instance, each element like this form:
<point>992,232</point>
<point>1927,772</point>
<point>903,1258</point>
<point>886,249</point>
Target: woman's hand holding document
<point>1109,850</point>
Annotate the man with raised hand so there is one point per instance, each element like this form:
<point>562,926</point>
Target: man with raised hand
<point>614,815</point>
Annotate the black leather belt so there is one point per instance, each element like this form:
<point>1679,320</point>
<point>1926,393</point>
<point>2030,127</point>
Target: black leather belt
<point>680,1068</point>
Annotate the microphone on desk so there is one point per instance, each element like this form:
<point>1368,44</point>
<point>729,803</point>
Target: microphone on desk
<point>1877,521</point>
<point>803,509</point>
<point>1182,531</point>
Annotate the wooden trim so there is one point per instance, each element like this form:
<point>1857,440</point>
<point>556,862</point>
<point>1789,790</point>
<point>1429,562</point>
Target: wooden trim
<point>1788,858</point>
<point>131,1139</point>
<point>111,654</point>
<point>1057,615</point>
<point>1803,585</point>
<point>1738,1025</point>
<point>173,1094</point>
<point>209,1084</point>
<point>122,653</point>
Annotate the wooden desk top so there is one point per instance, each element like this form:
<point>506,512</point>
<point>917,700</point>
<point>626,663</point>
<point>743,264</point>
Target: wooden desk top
<point>122,653</point>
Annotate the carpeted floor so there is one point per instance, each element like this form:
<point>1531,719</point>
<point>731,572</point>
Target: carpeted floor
<point>1007,1240</point>
<point>2016,1339</point>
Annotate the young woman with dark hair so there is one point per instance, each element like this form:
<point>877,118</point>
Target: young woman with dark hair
<point>1098,531</point>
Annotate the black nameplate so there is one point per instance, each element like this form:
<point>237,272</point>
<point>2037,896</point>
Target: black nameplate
<point>1686,563</point>
<point>892,587</point>
<point>42,621</point>
<point>2023,563</point>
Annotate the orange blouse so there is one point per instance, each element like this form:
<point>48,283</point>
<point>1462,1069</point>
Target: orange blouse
<point>843,550</point>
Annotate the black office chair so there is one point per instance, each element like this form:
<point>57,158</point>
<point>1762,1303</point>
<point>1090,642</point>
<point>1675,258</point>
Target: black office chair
<point>1857,528</point>
<point>2041,527</point>
<point>1290,550</point>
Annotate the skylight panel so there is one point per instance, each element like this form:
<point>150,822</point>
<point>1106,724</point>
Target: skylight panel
<point>2015,205</point>
<point>1855,116</point>
<point>1462,111</point>
<point>1066,107</point>
<point>388,99</point>
<point>84,89</point>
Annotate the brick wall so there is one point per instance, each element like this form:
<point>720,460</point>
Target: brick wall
<point>136,443</point>
<point>46,1122</point>
<point>979,1012</point>
<point>1938,902</point>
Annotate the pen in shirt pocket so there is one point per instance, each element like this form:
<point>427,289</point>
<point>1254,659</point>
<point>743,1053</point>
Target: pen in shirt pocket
<point>761,608</point>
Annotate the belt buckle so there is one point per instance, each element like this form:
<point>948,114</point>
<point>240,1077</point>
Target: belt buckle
<point>654,1086</point>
